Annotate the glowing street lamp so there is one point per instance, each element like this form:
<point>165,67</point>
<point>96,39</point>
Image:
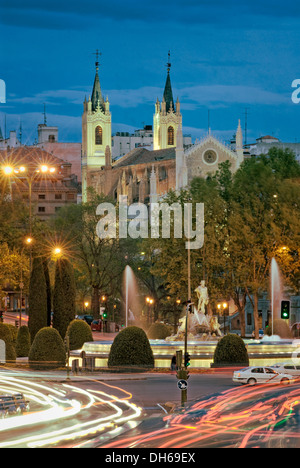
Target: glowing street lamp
<point>8,170</point>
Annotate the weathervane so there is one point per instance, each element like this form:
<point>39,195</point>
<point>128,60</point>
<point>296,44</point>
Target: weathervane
<point>98,55</point>
<point>169,63</point>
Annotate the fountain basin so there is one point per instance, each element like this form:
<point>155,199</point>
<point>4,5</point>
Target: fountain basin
<point>260,353</point>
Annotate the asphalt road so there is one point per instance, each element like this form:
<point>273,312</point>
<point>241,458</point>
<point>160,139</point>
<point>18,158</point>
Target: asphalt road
<point>149,390</point>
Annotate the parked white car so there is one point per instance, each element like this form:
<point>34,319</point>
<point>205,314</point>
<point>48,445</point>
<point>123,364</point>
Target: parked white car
<point>256,375</point>
<point>287,368</point>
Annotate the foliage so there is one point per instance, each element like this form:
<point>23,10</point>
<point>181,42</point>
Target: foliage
<point>23,342</point>
<point>47,350</point>
<point>64,296</point>
<point>101,262</point>
<point>279,328</point>
<point>8,337</point>
<point>38,300</point>
<point>159,331</point>
<point>79,332</point>
<point>11,264</point>
<point>231,349</point>
<point>131,348</point>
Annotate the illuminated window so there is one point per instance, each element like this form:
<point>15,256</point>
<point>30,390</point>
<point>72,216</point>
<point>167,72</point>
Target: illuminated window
<point>98,135</point>
<point>170,136</point>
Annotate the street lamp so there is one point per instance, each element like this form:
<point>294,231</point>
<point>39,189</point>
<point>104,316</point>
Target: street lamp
<point>25,173</point>
<point>27,242</point>
<point>223,306</point>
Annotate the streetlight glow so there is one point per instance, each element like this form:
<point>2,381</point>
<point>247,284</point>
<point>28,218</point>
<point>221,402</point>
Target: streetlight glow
<point>8,170</point>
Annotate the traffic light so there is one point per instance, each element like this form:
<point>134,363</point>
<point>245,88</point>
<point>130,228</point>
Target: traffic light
<point>285,310</point>
<point>187,359</point>
<point>104,315</point>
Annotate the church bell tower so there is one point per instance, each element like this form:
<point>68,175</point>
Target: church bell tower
<point>96,132</point>
<point>167,117</point>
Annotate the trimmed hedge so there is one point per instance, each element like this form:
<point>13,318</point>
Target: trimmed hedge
<point>231,350</point>
<point>47,350</point>
<point>79,332</point>
<point>280,328</point>
<point>131,348</point>
<point>7,334</point>
<point>23,341</point>
<point>159,331</point>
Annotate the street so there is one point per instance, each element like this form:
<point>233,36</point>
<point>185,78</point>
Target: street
<point>143,410</point>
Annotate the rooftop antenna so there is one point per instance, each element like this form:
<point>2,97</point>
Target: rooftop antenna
<point>98,55</point>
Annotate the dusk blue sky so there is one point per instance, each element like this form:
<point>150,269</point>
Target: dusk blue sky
<point>226,56</point>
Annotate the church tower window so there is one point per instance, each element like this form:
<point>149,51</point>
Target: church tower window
<point>98,135</point>
<point>170,136</point>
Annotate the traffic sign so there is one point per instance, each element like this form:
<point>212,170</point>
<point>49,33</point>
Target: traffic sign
<point>182,384</point>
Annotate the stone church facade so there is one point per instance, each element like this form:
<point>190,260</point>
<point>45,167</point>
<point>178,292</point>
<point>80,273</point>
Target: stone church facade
<point>146,176</point>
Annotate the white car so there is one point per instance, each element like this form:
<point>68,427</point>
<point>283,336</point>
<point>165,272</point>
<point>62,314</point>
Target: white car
<point>288,368</point>
<point>256,375</point>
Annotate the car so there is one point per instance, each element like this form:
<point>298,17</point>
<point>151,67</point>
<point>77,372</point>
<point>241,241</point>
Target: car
<point>8,405</point>
<point>87,318</point>
<point>287,367</point>
<point>259,374</point>
<point>20,402</point>
<point>96,325</point>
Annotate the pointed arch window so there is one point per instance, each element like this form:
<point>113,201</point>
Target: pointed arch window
<point>170,136</point>
<point>98,135</point>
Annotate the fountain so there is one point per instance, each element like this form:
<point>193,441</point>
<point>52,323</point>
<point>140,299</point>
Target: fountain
<point>277,295</point>
<point>201,326</point>
<point>132,306</point>
<point>203,332</point>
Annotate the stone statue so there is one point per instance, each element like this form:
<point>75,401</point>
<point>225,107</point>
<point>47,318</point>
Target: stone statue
<point>202,295</point>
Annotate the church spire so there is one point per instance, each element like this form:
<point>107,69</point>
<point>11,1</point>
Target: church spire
<point>97,98</point>
<point>168,94</point>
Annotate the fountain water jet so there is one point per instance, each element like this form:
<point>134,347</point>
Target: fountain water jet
<point>276,291</point>
<point>131,295</point>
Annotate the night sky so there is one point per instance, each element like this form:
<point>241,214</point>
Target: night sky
<point>226,56</point>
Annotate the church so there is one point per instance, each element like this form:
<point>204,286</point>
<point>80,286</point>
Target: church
<point>145,175</point>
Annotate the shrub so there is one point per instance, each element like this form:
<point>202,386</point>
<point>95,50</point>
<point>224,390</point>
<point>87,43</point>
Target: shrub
<point>159,331</point>
<point>7,336</point>
<point>38,308</point>
<point>131,348</point>
<point>231,349</point>
<point>64,295</point>
<point>280,328</point>
<point>23,342</point>
<point>79,332</point>
<point>47,350</point>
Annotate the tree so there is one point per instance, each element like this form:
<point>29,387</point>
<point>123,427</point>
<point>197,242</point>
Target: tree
<point>37,298</point>
<point>64,296</point>
<point>102,261</point>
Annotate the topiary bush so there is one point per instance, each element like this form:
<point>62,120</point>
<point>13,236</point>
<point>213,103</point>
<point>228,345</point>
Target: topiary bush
<point>280,328</point>
<point>159,331</point>
<point>231,350</point>
<point>8,336</point>
<point>131,348</point>
<point>23,342</point>
<point>47,350</point>
<point>79,332</point>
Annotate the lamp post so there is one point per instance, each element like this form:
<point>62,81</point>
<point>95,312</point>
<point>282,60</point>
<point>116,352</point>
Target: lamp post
<point>28,241</point>
<point>223,306</point>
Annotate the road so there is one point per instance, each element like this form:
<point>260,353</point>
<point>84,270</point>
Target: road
<point>114,411</point>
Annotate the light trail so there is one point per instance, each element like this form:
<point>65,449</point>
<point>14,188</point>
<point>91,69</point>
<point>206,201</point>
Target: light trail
<point>240,417</point>
<point>62,412</point>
